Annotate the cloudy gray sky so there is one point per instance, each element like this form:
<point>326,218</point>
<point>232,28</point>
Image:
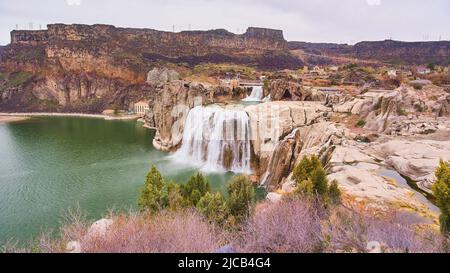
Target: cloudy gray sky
<point>346,21</point>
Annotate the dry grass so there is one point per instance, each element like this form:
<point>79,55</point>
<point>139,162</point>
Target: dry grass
<point>290,226</point>
<point>168,232</point>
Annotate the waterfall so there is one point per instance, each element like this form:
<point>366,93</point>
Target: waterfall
<point>267,99</point>
<point>256,95</point>
<point>216,139</point>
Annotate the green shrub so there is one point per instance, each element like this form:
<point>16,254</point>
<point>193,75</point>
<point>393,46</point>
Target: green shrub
<point>311,180</point>
<point>241,198</point>
<point>174,197</point>
<point>151,197</point>
<point>441,190</point>
<point>334,193</point>
<point>361,123</point>
<point>304,169</point>
<point>401,112</point>
<point>195,189</point>
<point>213,207</point>
<point>418,86</point>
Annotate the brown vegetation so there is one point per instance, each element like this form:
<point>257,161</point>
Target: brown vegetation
<point>290,226</point>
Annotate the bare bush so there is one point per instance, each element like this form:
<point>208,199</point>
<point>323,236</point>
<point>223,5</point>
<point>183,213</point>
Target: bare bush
<point>290,226</point>
<point>398,234</point>
<point>168,232</point>
<point>348,231</point>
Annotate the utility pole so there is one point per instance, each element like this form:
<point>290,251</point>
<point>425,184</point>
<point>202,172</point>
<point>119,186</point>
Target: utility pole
<point>173,28</point>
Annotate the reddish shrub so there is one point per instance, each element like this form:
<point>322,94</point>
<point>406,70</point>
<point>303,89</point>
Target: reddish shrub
<point>348,231</point>
<point>182,232</point>
<point>290,226</point>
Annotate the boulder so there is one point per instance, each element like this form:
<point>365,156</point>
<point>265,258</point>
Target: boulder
<point>226,250</point>
<point>347,155</point>
<point>365,182</point>
<point>274,197</point>
<point>73,247</point>
<point>374,247</point>
<point>270,122</point>
<point>99,228</point>
<point>288,186</point>
<point>417,160</point>
<point>160,76</point>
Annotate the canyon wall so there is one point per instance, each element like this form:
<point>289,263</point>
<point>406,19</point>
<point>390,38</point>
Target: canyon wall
<point>169,44</point>
<point>389,51</point>
<point>88,68</point>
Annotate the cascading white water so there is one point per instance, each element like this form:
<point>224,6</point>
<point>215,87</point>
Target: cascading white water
<point>217,139</point>
<point>256,95</point>
<point>267,99</point>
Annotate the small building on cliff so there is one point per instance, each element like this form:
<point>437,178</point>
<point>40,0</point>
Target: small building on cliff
<point>141,107</point>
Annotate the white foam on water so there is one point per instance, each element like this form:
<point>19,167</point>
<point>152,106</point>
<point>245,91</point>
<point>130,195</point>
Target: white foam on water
<point>216,139</point>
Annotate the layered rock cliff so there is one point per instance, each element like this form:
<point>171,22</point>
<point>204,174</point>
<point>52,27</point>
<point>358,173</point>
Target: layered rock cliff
<point>389,51</point>
<point>89,68</point>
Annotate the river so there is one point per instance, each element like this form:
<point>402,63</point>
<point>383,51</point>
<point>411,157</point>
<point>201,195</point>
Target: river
<point>51,164</point>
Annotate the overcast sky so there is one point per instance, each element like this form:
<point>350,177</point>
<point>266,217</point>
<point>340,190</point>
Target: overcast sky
<point>345,21</point>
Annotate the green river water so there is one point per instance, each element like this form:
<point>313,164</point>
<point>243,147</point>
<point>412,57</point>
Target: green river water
<point>49,165</point>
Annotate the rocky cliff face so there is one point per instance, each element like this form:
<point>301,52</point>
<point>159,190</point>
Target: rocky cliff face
<point>169,44</point>
<point>138,46</point>
<point>384,51</point>
<point>90,68</point>
<point>170,104</point>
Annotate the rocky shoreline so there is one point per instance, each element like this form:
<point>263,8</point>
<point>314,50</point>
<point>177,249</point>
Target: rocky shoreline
<point>23,116</point>
<point>10,119</point>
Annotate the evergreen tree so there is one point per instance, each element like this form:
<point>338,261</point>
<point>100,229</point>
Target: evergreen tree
<point>441,190</point>
<point>151,196</point>
<point>213,207</point>
<point>334,193</point>
<point>174,197</point>
<point>305,188</point>
<point>320,181</point>
<point>312,181</point>
<point>305,168</point>
<point>195,189</point>
<point>241,198</point>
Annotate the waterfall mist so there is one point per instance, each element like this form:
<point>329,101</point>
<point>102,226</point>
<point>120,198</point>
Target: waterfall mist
<point>217,139</point>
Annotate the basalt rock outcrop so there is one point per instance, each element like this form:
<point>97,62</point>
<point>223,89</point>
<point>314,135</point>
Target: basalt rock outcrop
<point>87,68</point>
<point>404,111</point>
<point>281,131</point>
<point>319,139</point>
<point>416,159</point>
<point>383,51</point>
<point>285,89</point>
<point>271,122</point>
